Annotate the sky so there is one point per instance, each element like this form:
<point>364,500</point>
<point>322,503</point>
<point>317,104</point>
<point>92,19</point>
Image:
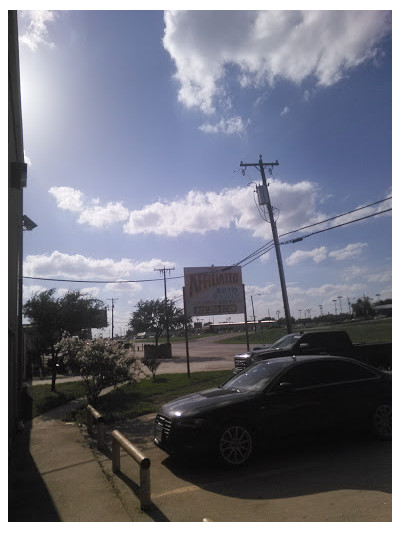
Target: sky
<point>135,124</point>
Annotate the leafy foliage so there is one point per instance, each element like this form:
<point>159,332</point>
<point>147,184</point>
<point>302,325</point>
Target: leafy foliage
<point>74,313</point>
<point>155,316</point>
<point>100,362</point>
<point>152,364</point>
<point>363,307</point>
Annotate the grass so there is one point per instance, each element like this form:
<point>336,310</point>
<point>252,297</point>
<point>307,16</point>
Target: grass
<point>131,400</point>
<point>43,399</point>
<point>146,396</point>
<point>359,332</point>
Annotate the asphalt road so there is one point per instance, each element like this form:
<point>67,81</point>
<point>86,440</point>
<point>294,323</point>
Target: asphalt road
<point>339,478</point>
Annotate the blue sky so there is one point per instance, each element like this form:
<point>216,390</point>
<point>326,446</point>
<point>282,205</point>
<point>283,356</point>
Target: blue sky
<point>135,124</point>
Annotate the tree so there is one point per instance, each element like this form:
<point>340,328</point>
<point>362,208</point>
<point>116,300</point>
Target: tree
<point>100,362</point>
<point>363,307</point>
<point>74,312</point>
<point>152,364</point>
<point>154,315</point>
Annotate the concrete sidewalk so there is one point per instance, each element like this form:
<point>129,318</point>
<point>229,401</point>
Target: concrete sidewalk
<point>54,476</point>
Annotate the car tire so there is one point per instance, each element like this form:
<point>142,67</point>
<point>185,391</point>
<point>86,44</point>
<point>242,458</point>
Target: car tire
<point>382,421</point>
<point>235,444</point>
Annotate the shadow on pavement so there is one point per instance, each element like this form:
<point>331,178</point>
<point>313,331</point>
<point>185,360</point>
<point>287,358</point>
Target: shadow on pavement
<point>296,468</point>
<point>28,497</point>
<point>153,512</point>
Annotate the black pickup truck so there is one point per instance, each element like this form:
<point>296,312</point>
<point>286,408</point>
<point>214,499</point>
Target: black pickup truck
<point>317,343</point>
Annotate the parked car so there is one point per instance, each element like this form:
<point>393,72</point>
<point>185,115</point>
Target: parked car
<point>318,343</point>
<point>276,397</point>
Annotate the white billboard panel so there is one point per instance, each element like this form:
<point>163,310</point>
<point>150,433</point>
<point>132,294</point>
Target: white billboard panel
<point>213,290</point>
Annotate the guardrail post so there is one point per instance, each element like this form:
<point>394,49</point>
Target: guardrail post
<point>119,440</point>
<point>93,414</point>
<point>116,458</point>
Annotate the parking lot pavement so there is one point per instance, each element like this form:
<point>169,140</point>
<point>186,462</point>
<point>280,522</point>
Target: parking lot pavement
<point>340,479</point>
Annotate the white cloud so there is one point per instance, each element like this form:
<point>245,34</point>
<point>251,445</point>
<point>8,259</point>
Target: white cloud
<point>231,126</point>
<point>381,277</point>
<point>199,212</point>
<point>68,198</point>
<point>285,111</point>
<point>265,46</point>
<point>317,255</point>
<point>34,31</point>
<point>321,254</point>
<point>103,216</point>
<point>349,251</point>
<point>202,212</point>
<point>90,212</point>
<point>77,266</point>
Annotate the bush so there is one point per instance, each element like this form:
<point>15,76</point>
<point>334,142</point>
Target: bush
<point>152,364</point>
<point>100,362</point>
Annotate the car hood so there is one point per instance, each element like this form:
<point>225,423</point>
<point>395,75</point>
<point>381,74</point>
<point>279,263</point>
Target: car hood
<point>261,353</point>
<point>200,402</point>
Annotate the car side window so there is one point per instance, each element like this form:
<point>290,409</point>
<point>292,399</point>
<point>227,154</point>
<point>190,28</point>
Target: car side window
<point>348,371</point>
<point>306,374</point>
<point>314,373</point>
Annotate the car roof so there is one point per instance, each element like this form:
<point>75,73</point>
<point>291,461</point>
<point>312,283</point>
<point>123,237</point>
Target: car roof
<point>301,358</point>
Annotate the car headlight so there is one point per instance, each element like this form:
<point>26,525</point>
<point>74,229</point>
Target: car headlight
<point>189,422</point>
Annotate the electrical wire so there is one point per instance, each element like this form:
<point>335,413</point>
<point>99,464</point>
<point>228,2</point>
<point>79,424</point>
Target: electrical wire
<point>337,226</point>
<point>337,216</point>
<point>259,252</point>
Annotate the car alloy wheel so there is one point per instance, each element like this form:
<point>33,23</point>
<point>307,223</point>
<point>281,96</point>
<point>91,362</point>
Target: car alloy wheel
<point>382,421</point>
<point>235,445</point>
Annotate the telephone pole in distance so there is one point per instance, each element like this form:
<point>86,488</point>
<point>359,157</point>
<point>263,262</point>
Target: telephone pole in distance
<point>263,196</point>
<point>112,300</point>
<point>164,270</point>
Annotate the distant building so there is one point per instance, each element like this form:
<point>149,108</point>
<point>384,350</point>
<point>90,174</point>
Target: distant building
<point>385,309</point>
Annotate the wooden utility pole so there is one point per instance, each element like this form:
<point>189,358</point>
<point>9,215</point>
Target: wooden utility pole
<point>164,270</point>
<point>112,300</point>
<point>265,200</point>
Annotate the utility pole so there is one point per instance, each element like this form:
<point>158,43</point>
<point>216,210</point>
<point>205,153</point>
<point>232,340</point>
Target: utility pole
<point>254,316</point>
<point>263,192</point>
<point>164,270</point>
<point>112,300</point>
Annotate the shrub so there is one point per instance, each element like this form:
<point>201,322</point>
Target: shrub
<point>100,362</point>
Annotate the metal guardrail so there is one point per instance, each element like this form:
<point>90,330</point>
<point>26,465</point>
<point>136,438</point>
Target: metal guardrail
<point>119,440</point>
<point>92,414</point>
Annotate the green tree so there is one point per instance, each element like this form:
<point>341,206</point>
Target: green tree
<point>154,316</point>
<point>100,362</point>
<point>363,307</point>
<point>74,313</point>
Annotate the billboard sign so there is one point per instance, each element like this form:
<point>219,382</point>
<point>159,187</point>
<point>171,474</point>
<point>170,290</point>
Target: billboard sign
<point>213,290</point>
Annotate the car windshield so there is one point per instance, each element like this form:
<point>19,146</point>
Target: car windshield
<point>256,377</point>
<point>285,342</point>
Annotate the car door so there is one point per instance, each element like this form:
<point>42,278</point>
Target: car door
<point>349,393</point>
<point>294,403</point>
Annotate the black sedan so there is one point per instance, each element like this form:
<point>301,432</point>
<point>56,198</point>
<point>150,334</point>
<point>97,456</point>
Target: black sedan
<point>276,397</point>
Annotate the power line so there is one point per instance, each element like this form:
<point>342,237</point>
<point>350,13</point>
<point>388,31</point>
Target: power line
<point>259,252</point>
<point>267,245</point>
<point>337,226</point>
<point>338,216</point>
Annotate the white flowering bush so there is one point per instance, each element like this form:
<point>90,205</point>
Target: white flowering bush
<point>100,362</point>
